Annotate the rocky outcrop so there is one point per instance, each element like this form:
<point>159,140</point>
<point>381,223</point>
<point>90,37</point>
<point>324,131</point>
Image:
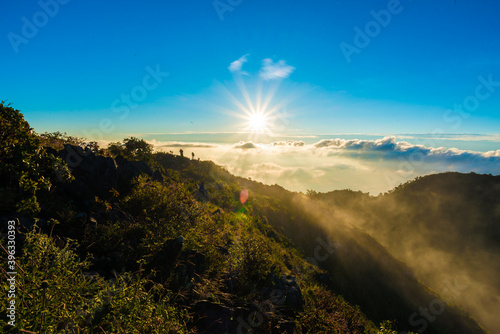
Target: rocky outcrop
<point>285,294</point>
<point>96,175</point>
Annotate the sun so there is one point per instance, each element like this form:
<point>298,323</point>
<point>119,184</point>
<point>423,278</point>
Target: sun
<point>257,107</point>
<point>257,122</point>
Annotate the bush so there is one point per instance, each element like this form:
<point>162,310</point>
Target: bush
<point>55,296</point>
<point>26,169</point>
<point>133,149</point>
<point>164,211</point>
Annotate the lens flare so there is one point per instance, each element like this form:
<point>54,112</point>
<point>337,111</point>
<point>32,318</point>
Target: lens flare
<point>243,196</point>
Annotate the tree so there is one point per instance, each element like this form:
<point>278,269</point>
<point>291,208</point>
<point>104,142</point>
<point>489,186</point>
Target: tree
<point>57,140</point>
<point>115,149</point>
<point>137,148</point>
<point>26,169</point>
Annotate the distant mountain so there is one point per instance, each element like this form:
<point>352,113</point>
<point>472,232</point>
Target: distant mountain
<point>445,227</point>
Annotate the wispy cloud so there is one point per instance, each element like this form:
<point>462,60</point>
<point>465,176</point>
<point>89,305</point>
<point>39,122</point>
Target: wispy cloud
<point>271,70</point>
<point>453,136</point>
<point>268,71</point>
<point>288,143</point>
<point>159,144</point>
<point>236,65</point>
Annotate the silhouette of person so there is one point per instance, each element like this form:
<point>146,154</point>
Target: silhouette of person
<point>181,152</point>
<point>192,155</point>
<point>202,190</point>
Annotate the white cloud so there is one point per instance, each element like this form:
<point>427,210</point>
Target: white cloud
<point>246,145</point>
<point>493,153</point>
<point>388,148</point>
<point>368,165</point>
<point>271,70</point>
<point>236,65</point>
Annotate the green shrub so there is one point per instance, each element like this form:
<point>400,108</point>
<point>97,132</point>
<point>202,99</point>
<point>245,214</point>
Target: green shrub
<point>165,211</point>
<point>27,171</point>
<point>54,295</point>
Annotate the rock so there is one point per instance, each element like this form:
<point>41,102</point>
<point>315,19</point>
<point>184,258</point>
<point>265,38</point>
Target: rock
<point>213,318</point>
<point>97,175</point>
<point>164,260</point>
<point>157,176</point>
<point>103,265</point>
<point>107,265</point>
<point>94,175</point>
<point>128,170</point>
<point>285,294</point>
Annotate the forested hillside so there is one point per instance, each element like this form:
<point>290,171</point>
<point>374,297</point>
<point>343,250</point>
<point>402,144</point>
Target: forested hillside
<point>446,227</point>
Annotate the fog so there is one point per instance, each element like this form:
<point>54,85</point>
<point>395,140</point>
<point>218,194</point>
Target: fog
<point>447,233</point>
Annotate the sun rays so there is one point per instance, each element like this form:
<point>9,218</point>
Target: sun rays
<point>261,114</point>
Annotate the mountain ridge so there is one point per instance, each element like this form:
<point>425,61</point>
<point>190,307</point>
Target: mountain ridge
<point>180,236</point>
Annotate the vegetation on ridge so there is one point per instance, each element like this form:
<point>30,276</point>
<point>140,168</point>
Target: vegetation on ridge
<point>172,247</point>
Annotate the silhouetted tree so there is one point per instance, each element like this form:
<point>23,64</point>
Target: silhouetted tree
<point>138,148</point>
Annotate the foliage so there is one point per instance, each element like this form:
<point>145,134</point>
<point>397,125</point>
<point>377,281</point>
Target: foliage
<point>164,210</point>
<point>54,295</point>
<point>57,140</point>
<point>255,258</point>
<point>327,313</point>
<point>26,169</point>
<point>133,149</point>
<point>231,253</point>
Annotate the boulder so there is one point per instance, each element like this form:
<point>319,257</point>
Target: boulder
<point>213,318</point>
<point>94,175</point>
<point>285,294</point>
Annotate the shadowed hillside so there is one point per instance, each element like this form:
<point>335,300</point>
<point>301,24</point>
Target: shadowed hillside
<point>446,227</point>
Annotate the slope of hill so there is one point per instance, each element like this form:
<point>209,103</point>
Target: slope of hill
<point>171,245</point>
<point>446,227</point>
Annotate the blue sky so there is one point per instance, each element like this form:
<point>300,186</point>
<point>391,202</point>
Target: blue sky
<point>367,69</point>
